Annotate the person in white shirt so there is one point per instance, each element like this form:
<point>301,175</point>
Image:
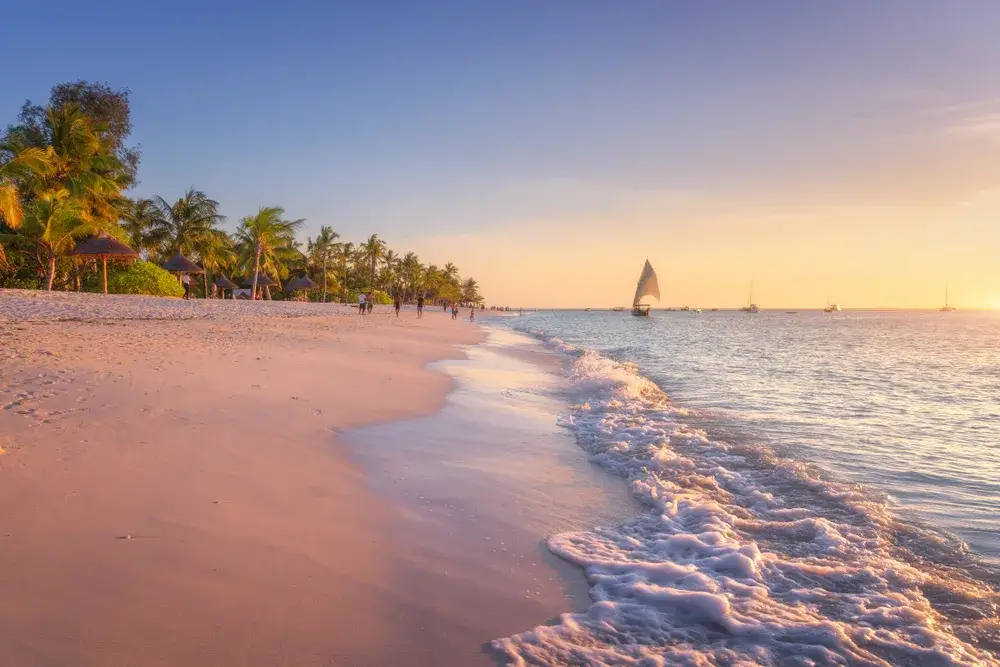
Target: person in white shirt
<point>361,303</point>
<point>186,281</point>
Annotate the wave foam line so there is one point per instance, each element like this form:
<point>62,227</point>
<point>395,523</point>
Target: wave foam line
<point>745,558</point>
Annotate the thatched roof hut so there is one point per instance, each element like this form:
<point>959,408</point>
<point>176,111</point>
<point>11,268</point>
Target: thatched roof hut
<point>105,247</point>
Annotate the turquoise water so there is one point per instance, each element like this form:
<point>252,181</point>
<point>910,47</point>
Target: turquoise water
<point>824,489</point>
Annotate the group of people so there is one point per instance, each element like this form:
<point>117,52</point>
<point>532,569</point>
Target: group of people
<point>454,312</point>
<point>366,302</point>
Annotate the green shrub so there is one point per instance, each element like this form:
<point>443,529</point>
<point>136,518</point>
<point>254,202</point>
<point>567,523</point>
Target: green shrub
<point>22,283</point>
<point>139,277</point>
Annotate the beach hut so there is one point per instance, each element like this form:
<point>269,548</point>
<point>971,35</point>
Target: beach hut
<point>224,283</point>
<point>105,247</point>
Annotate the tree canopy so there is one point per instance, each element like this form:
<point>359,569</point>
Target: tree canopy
<point>66,169</point>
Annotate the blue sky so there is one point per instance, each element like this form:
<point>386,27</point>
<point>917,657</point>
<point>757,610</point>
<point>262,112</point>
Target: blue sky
<point>459,121</point>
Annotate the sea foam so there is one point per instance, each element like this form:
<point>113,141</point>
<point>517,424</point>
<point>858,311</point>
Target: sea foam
<point>745,558</point>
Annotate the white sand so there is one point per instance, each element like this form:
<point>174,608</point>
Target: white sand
<point>173,492</point>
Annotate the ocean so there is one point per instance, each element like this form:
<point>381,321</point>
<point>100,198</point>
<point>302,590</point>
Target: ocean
<point>822,489</point>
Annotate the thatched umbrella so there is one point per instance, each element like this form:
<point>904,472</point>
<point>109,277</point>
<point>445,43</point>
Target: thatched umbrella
<point>104,246</point>
<point>181,264</point>
<point>224,283</point>
<point>262,280</point>
<point>300,283</point>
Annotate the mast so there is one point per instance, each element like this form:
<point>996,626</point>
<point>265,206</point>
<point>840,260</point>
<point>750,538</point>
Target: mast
<point>750,300</point>
<point>946,294</point>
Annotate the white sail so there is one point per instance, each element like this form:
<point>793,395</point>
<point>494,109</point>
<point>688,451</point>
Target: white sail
<point>648,285</point>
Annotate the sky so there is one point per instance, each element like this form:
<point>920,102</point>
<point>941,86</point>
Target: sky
<point>823,150</point>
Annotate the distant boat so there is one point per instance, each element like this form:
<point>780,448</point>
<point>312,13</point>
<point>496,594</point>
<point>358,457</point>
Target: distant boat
<point>647,286</point>
<point>751,307</point>
<point>685,309</point>
<point>618,309</point>
<point>697,310</point>
<point>831,307</point>
<point>946,308</point>
<point>587,310</point>
<point>715,310</point>
<point>791,312</point>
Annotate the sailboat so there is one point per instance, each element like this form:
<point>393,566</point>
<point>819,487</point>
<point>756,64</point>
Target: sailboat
<point>751,307</point>
<point>647,286</point>
<point>831,307</point>
<point>946,308</point>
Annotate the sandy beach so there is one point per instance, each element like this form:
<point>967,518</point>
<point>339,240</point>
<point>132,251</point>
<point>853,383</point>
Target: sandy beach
<point>175,489</point>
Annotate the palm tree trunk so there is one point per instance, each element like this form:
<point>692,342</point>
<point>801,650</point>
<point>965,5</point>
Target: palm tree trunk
<point>104,273</point>
<point>256,269</point>
<point>206,282</point>
<point>324,280</point>
<point>51,273</point>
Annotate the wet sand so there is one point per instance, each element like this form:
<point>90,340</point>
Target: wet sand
<point>482,484</point>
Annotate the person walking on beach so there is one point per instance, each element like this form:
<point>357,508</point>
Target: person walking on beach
<point>454,311</point>
<point>186,281</point>
<point>472,314</point>
<point>370,303</point>
<point>397,304</point>
<point>361,304</point>
<point>420,306</point>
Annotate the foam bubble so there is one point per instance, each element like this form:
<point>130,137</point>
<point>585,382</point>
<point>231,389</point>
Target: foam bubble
<point>745,558</point>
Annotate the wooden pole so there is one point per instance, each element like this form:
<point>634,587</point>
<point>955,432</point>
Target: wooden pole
<point>104,267</point>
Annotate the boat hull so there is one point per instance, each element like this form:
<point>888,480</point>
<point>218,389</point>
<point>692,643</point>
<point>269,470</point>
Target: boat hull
<point>640,311</point>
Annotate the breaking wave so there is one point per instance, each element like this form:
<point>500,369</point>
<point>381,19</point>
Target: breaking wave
<point>745,558</point>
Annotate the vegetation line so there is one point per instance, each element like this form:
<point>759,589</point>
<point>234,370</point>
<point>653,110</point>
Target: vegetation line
<point>66,169</point>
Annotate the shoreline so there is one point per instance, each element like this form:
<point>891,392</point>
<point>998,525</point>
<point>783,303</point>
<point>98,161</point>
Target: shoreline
<point>482,485</point>
<point>176,496</point>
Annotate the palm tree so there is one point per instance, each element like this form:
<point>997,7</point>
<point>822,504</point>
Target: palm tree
<point>143,222</point>
<point>410,269</point>
<point>264,236</point>
<point>21,164</point>
<point>323,250</point>
<point>51,224</point>
<point>182,223</point>
<point>344,255</point>
<point>390,263</point>
<point>374,250</point>
<point>470,291</point>
<point>81,161</point>
<point>62,158</point>
<point>215,250</point>
<point>432,281</point>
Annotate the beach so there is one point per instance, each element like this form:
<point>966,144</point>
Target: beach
<point>177,490</point>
